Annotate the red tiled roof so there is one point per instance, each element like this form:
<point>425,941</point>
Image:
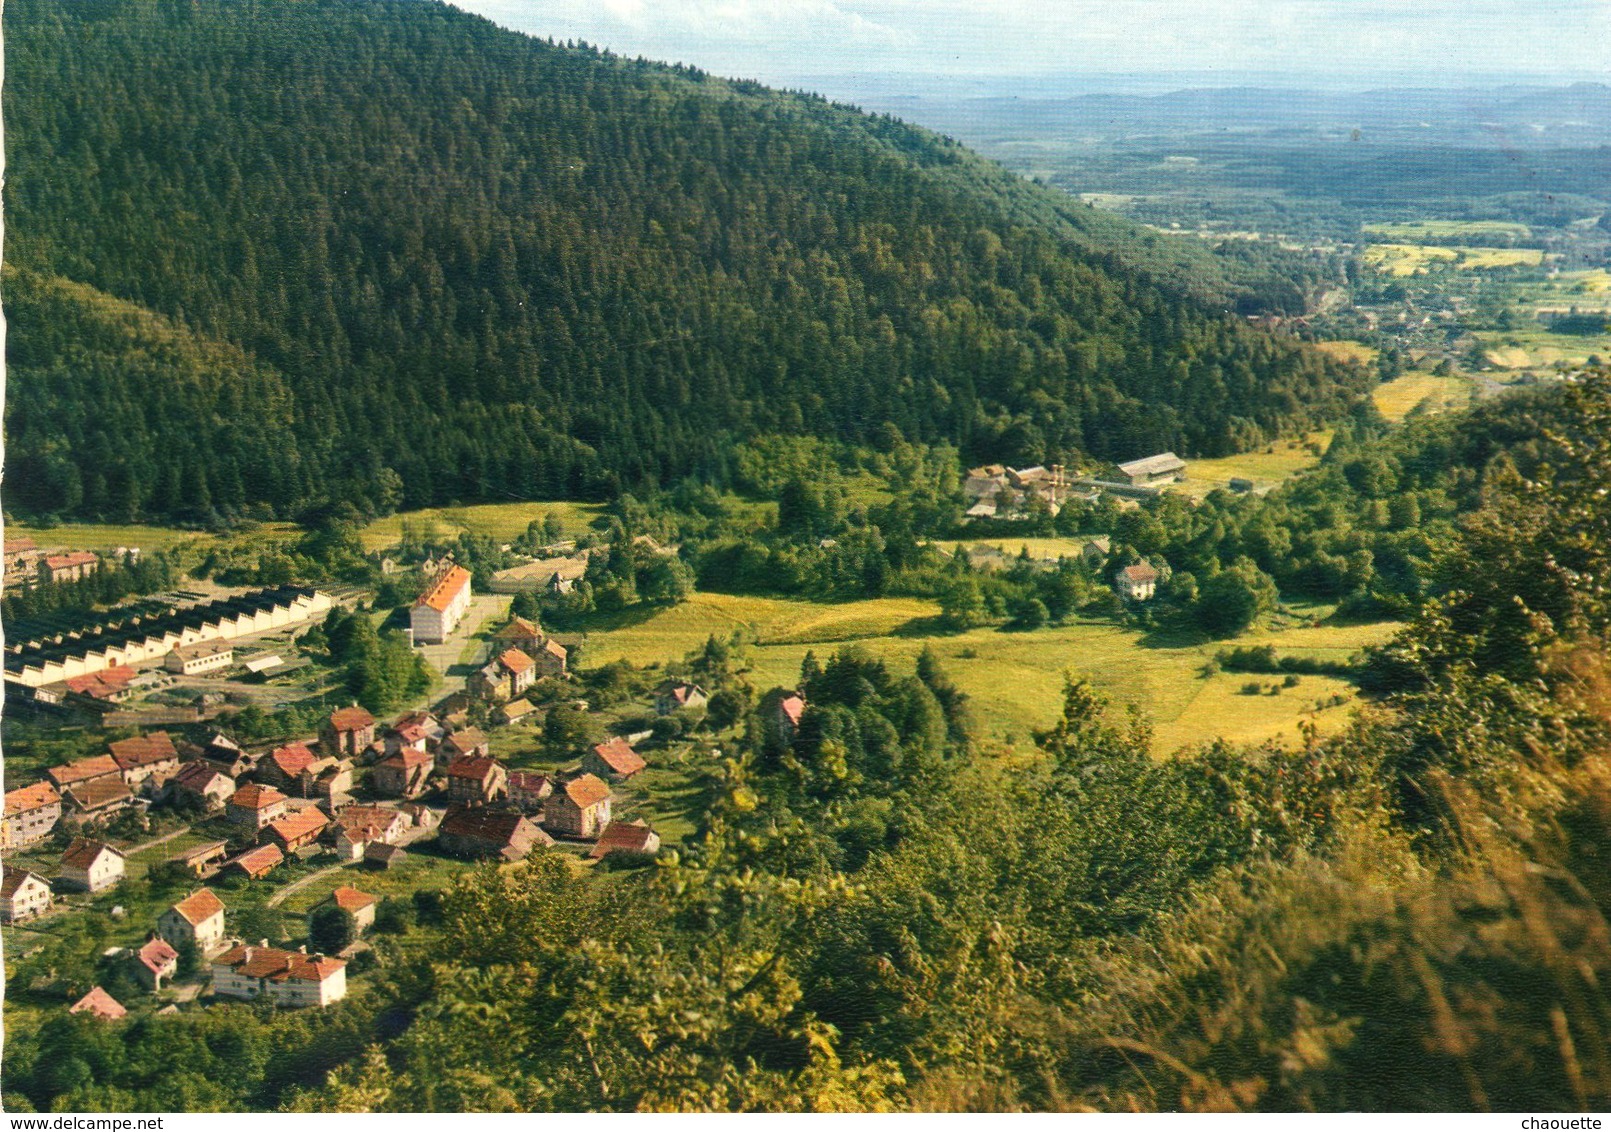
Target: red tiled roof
<point>102,684</point>
<point>619,756</point>
<point>98,792</point>
<point>495,826</point>
<point>351,900</point>
<point>13,878</point>
<point>66,561</point>
<point>256,796</point>
<point>554,648</point>
<point>20,544</point>
<point>1141,572</point>
<point>100,1004</point>
<point>586,790</point>
<point>156,955</point>
<point>518,630</point>
<point>199,907</point>
<point>630,835</point>
<point>515,661</point>
<point>792,706</point>
<point>80,770</point>
<point>351,719</point>
<point>475,767</point>
<point>292,759</point>
<point>679,690</point>
<point>26,798</point>
<point>260,860</point>
<point>280,966</point>
<point>447,586</point>
<point>81,854</point>
<point>199,775</point>
<point>298,825</point>
<point>407,758</point>
<point>143,750</point>
<point>367,823</point>
<point>529,782</point>
<point>467,740</point>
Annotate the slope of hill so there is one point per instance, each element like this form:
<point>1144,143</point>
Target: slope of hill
<point>505,268</point>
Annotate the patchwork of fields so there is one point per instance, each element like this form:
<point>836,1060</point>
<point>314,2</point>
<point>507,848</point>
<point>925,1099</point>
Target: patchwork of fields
<point>1015,679</point>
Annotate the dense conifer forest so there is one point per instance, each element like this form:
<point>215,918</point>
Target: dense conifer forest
<point>283,248</point>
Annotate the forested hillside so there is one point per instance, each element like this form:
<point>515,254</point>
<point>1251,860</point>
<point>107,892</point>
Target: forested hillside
<point>389,235</point>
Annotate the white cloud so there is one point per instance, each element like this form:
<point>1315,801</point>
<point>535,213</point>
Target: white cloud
<point>781,37</point>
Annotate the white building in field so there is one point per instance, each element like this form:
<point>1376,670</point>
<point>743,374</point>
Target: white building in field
<point>439,609</point>
<point>22,895</point>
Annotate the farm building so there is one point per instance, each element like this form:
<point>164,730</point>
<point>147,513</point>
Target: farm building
<point>1165,467</point>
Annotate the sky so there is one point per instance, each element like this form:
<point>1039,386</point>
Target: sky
<point>1322,43</point>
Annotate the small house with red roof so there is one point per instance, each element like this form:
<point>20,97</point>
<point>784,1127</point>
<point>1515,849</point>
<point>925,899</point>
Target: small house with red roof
<point>1136,583</point>
<point>521,634</point>
<point>255,806</point>
<point>626,837</point>
<point>70,567</point>
<point>146,761</point>
<point>197,919</point>
<point>255,864</point>
<point>359,905</point>
<point>674,695</point>
<point>404,774</point>
<point>475,780</point>
<point>551,658</point>
<point>348,732</point>
<point>31,813</point>
<point>201,782</point>
<point>614,761</point>
<point>578,808</point>
<point>477,833</point>
<point>298,829</point>
<point>23,894</point>
<point>153,962</point>
<point>100,1004</point>
<point>92,866</point>
<point>507,676</point>
<point>283,766</point>
<point>529,790</point>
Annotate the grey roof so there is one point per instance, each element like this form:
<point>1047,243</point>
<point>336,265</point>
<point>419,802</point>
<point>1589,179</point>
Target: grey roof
<point>1153,465</point>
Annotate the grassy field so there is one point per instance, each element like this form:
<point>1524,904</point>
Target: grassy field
<point>1475,230</point>
<point>1412,259</point>
<point>501,521</point>
<point>1395,399</point>
<point>1345,351</point>
<point>1266,468</point>
<point>105,536</point>
<point>1015,679</point>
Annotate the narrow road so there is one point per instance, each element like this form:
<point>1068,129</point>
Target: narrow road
<point>297,885</point>
<point>163,840</point>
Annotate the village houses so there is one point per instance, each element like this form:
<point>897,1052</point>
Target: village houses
<point>614,760</point>
<point>283,766</point>
<point>198,920</point>
<point>578,808</point>
<point>23,895</point>
<point>97,800</point>
<point>521,634</point>
<point>287,978</point>
<point>74,566</point>
<point>674,695</point>
<point>258,862</point>
<point>1165,467</point>
<point>470,742</point>
<point>528,789</point>
<point>479,833</point>
<point>1136,583</point>
<point>31,813</point>
<point>298,829</point>
<point>255,805</point>
<point>359,905</point>
<point>202,783</point>
<point>475,780</point>
<point>100,1004</point>
<point>146,761</point>
<point>152,962</point>
<point>404,774</point>
<point>626,837</point>
<point>506,677</point>
<point>197,660</point>
<point>439,609</point>
<point>348,732</point>
<point>358,827</point>
<point>92,866</point>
